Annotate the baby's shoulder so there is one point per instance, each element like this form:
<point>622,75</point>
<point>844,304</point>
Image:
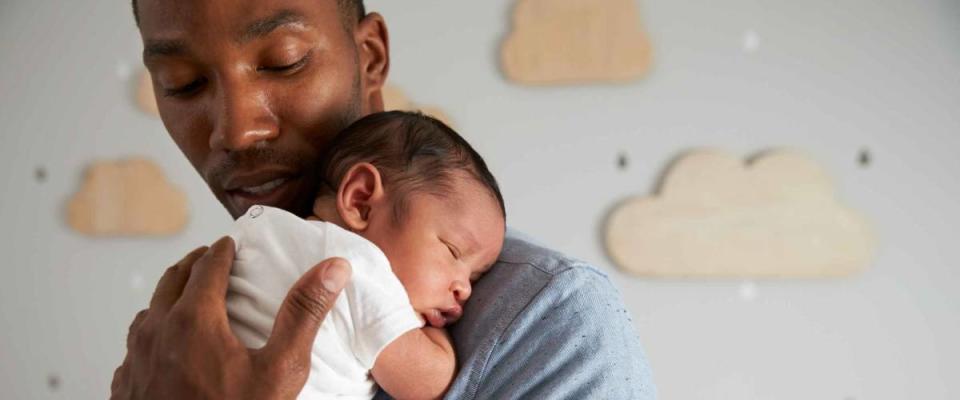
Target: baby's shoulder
<point>364,256</point>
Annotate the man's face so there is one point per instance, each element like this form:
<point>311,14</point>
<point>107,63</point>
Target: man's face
<point>252,91</point>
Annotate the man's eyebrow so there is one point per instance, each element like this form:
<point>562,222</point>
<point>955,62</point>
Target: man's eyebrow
<point>156,48</point>
<point>262,27</point>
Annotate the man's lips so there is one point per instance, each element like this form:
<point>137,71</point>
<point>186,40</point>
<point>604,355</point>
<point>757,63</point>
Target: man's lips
<point>260,190</point>
<point>259,181</point>
<point>267,187</point>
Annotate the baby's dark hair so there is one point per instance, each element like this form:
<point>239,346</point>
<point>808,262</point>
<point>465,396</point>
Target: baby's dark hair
<point>413,152</point>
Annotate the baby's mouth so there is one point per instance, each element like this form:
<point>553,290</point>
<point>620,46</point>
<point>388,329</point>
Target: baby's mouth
<point>434,318</point>
<point>439,319</point>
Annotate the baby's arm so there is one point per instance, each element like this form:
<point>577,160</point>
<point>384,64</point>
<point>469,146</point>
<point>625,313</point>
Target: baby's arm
<point>420,364</point>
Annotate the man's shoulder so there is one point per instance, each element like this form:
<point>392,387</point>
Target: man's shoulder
<point>533,273</point>
<point>527,275</point>
<point>527,263</point>
<point>532,317</point>
<point>520,251</point>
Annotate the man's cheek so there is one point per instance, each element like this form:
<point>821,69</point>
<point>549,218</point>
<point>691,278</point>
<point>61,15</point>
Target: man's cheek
<point>325,93</point>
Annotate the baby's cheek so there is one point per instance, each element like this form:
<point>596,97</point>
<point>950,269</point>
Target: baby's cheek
<point>419,295</point>
<point>441,287</point>
<point>427,290</point>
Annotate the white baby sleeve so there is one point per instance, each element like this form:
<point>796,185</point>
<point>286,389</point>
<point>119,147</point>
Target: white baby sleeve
<point>379,305</point>
<point>273,249</point>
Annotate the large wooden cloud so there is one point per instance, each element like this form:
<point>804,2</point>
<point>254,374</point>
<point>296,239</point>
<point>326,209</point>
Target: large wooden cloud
<point>575,41</point>
<point>127,198</point>
<point>716,216</point>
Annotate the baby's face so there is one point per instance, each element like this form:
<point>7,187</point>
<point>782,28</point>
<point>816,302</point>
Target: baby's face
<point>441,246</point>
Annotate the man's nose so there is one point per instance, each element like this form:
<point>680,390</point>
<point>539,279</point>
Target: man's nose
<point>243,116</point>
<point>461,291</point>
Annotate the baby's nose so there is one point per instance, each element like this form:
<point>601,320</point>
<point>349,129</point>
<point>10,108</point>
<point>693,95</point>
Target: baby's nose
<point>461,291</point>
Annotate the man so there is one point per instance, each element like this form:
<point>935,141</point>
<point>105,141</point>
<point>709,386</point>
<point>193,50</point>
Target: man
<point>252,91</point>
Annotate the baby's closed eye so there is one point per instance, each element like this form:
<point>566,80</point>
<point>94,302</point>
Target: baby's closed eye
<point>454,251</point>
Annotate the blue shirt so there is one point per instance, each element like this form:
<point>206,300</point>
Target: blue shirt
<point>540,325</point>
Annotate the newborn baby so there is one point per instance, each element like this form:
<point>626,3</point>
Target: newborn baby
<point>418,215</point>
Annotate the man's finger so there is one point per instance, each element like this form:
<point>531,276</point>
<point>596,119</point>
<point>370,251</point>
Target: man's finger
<point>135,325</point>
<point>211,273</point>
<point>304,309</point>
<point>171,284</point>
<point>119,376</point>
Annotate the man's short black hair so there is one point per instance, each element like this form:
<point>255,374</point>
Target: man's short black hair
<point>412,151</point>
<point>350,10</point>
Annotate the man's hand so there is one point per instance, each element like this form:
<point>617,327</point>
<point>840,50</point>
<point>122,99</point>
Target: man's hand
<point>182,347</point>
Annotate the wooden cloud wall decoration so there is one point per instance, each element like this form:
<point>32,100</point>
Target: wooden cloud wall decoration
<point>145,99</point>
<point>129,197</point>
<point>575,41</point>
<point>716,216</point>
<point>395,98</point>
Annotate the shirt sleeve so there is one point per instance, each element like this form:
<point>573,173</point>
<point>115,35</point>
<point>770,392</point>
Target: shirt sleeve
<point>381,313</point>
<point>380,309</point>
<point>574,340</point>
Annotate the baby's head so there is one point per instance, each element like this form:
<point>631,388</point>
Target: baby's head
<point>415,188</point>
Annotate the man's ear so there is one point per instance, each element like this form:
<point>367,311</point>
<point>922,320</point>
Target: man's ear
<point>360,194</point>
<point>373,45</point>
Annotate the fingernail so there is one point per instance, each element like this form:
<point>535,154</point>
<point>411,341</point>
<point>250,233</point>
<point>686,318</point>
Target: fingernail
<point>336,275</point>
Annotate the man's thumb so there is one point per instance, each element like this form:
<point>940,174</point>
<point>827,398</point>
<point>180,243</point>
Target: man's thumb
<point>304,309</point>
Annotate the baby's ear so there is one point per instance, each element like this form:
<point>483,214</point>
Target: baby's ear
<point>360,194</point>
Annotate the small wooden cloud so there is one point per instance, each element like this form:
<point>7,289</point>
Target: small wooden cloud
<point>576,41</point>
<point>127,198</point>
<point>715,216</point>
<point>395,99</point>
<point>146,101</point>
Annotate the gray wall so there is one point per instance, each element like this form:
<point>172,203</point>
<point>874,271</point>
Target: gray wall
<point>829,78</point>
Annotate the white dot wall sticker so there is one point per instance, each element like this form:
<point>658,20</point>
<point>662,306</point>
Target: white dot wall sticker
<point>123,70</point>
<point>750,42</point>
<point>136,281</point>
<point>748,291</point>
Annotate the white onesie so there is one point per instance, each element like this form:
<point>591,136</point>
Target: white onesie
<point>274,248</point>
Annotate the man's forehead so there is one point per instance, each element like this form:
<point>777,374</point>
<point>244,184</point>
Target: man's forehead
<point>237,19</point>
